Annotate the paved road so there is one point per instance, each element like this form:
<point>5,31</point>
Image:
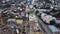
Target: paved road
<point>44,27</point>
